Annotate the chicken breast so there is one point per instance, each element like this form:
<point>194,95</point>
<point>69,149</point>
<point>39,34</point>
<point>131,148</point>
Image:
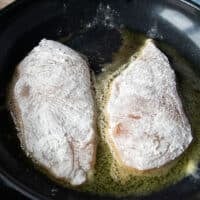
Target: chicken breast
<point>53,107</point>
<point>147,124</point>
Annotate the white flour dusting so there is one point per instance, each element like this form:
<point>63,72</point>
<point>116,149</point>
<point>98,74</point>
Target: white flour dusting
<point>105,16</point>
<point>154,32</point>
<point>54,110</point>
<point>147,124</point>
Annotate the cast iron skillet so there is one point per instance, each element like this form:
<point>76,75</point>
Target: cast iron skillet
<point>25,22</point>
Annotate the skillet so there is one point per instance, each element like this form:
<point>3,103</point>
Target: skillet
<point>24,23</point>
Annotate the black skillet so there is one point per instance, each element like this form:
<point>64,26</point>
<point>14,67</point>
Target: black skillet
<point>25,22</point>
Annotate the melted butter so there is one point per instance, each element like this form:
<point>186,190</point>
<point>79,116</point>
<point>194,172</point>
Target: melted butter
<point>110,177</point>
<point>191,167</point>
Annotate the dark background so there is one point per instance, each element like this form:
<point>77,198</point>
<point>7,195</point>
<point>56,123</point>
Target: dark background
<point>7,193</point>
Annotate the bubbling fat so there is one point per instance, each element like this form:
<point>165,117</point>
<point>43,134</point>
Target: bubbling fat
<point>112,176</point>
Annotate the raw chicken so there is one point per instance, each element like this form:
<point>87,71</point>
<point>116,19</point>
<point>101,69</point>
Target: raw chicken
<point>53,108</point>
<point>147,124</point>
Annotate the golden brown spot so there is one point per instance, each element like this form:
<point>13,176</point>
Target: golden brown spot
<point>25,91</point>
<point>134,116</point>
<point>119,130</point>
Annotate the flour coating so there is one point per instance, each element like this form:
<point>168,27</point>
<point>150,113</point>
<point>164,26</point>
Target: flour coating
<point>53,108</point>
<point>147,124</point>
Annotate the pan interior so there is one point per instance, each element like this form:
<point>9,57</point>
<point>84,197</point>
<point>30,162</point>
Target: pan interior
<point>102,33</point>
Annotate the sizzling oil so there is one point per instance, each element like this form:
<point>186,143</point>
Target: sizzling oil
<point>109,177</point>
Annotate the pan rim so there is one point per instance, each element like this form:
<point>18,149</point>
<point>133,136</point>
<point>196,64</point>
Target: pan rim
<point>20,187</point>
<point>12,182</point>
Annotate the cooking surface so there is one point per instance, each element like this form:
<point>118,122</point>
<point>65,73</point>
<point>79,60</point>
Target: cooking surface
<point>5,190</point>
<point>54,190</point>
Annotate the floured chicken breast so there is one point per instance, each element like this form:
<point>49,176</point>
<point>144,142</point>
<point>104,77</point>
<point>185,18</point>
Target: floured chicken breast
<point>53,108</point>
<point>147,124</point>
